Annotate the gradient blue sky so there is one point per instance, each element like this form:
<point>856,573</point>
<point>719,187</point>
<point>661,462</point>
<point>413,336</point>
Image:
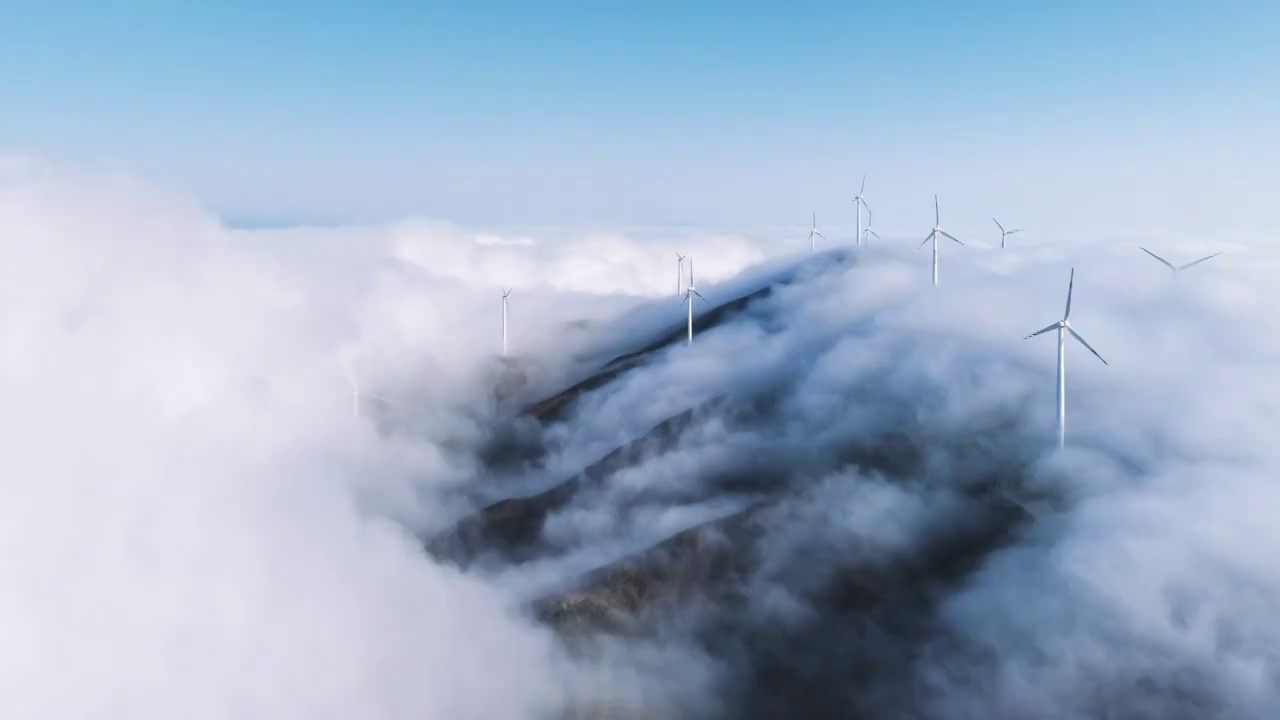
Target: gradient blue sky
<point>711,113</point>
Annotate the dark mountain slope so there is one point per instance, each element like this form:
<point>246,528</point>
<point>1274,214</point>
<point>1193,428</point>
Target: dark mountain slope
<point>554,407</point>
<point>509,529</point>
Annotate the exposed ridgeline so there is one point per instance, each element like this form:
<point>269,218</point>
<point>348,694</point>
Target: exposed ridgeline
<point>509,529</point>
<point>556,406</point>
<point>861,608</point>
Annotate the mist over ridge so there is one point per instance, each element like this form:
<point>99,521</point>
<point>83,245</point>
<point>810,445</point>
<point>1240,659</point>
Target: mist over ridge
<point>199,526</point>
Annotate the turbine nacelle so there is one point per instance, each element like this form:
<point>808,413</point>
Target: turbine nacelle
<point>1004,233</point>
<point>813,232</point>
<point>933,235</point>
<point>1064,328</point>
<point>859,202</point>
<point>690,292</point>
<point>688,298</point>
<point>937,226</point>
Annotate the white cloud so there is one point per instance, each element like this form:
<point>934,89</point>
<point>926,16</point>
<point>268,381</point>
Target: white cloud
<point>196,525</point>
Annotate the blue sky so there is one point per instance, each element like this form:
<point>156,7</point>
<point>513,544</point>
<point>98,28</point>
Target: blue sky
<point>713,113</point>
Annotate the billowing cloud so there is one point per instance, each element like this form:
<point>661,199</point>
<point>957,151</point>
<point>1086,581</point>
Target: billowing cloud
<point>198,526</point>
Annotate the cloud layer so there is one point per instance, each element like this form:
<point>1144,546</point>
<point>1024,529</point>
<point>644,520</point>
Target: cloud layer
<point>198,526</point>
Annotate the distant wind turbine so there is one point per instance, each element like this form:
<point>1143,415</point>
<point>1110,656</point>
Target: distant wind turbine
<point>868,231</point>
<point>506,293</point>
<point>1176,268</point>
<point>355,391</point>
<point>812,234</point>
<point>1004,233</point>
<point>1064,327</point>
<point>933,235</point>
<point>688,298</point>
<point>859,203</point>
<point>679,271</point>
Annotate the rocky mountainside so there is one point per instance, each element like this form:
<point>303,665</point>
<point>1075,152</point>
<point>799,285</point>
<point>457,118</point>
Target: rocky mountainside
<point>817,583</point>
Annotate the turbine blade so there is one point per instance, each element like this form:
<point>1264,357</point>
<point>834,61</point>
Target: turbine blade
<point>953,237</point>
<point>815,232</point>
<point>1197,262</point>
<point>1043,330</point>
<point>928,238</point>
<point>937,217</point>
<point>873,232</point>
<point>704,299</point>
<point>1070,284</point>
<point>1076,335</point>
<point>864,186</point>
<point>1015,230</point>
<point>1166,262</point>
<point>997,222</point>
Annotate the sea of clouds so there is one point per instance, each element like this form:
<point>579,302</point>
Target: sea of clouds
<point>198,526</point>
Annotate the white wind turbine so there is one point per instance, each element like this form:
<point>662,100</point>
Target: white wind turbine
<point>1063,327</point>
<point>506,293</point>
<point>688,298</point>
<point>933,235</point>
<point>812,234</point>
<point>355,391</point>
<point>859,203</point>
<point>679,271</point>
<point>1176,268</point>
<point>1004,233</point>
<point>867,232</point>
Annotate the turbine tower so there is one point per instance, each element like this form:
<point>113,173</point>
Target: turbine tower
<point>506,293</point>
<point>355,391</point>
<point>688,298</point>
<point>679,271</point>
<point>1176,268</point>
<point>1064,328</point>
<point>812,234</point>
<point>859,203</point>
<point>1004,233</point>
<point>933,235</point>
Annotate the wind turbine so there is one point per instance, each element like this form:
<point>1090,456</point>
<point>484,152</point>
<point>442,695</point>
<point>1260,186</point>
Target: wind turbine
<point>355,391</point>
<point>867,231</point>
<point>812,233</point>
<point>505,294</point>
<point>679,271</point>
<point>933,235</point>
<point>1004,233</point>
<point>859,203</point>
<point>1063,327</point>
<point>1176,268</point>
<point>688,298</point>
